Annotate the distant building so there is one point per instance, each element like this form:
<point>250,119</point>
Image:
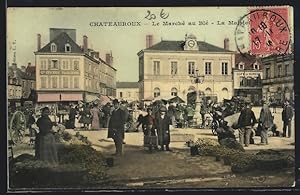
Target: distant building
<point>278,80</point>
<point>166,68</point>
<point>14,87</point>
<point>66,72</point>
<point>24,77</point>
<point>128,91</point>
<point>247,77</point>
<point>27,79</point>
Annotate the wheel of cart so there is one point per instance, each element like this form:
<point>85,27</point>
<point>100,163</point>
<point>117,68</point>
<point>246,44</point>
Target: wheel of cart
<point>17,127</point>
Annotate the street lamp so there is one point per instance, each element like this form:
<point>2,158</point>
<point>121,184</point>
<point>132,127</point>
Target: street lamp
<point>197,78</point>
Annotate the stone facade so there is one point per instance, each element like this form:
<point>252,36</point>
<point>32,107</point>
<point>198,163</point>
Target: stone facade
<point>166,68</point>
<point>67,72</point>
<point>247,78</point>
<point>278,80</point>
<point>128,91</point>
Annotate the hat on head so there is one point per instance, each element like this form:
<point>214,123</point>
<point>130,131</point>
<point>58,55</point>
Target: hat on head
<point>45,109</point>
<point>115,101</point>
<point>163,109</point>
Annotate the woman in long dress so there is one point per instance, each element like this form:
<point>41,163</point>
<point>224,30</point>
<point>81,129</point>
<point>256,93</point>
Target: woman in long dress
<point>45,148</point>
<point>95,112</point>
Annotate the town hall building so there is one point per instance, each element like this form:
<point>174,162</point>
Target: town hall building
<point>167,68</point>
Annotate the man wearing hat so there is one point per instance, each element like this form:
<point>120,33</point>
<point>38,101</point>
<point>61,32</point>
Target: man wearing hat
<point>116,127</point>
<point>162,122</point>
<point>266,121</point>
<point>287,115</point>
<point>246,122</point>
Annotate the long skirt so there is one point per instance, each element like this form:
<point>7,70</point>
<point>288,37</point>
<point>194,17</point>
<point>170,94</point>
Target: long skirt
<point>46,148</point>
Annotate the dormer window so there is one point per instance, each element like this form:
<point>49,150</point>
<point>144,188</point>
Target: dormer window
<point>255,66</point>
<point>241,66</point>
<point>67,48</point>
<point>53,47</point>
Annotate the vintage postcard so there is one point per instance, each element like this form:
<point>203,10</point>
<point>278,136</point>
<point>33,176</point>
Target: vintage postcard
<point>104,98</point>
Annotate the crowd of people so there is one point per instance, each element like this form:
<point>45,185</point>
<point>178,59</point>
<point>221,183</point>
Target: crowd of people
<point>160,117</point>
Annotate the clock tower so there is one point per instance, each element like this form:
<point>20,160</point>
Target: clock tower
<point>190,43</point>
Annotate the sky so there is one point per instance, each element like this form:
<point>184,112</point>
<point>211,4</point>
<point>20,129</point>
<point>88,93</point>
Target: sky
<point>23,25</point>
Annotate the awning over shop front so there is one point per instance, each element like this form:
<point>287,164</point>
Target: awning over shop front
<point>104,99</point>
<point>91,98</point>
<point>49,97</point>
<point>71,97</point>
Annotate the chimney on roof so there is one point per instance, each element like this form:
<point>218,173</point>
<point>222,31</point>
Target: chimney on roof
<point>96,53</point>
<point>149,41</point>
<point>108,58</point>
<point>38,41</point>
<point>226,43</point>
<point>85,44</point>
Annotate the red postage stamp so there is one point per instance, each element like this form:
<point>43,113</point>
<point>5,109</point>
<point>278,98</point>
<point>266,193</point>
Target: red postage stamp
<point>269,31</point>
<point>264,31</point>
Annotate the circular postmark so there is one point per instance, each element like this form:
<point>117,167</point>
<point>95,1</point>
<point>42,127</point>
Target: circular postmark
<point>262,32</point>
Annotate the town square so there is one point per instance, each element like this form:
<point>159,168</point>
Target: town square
<point>160,98</point>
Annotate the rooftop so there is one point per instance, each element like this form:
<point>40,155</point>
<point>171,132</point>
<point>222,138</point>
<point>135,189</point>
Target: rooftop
<point>127,85</point>
<point>248,61</point>
<point>61,40</point>
<point>178,46</point>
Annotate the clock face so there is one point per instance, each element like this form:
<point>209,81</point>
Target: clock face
<point>191,43</point>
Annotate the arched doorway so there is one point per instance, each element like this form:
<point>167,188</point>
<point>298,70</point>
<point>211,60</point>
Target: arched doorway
<point>191,89</point>
<point>174,91</point>
<point>208,91</point>
<point>287,93</point>
<point>156,92</point>
<point>279,94</point>
<point>225,93</point>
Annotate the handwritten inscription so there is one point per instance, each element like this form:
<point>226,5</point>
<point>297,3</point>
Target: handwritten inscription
<point>152,16</point>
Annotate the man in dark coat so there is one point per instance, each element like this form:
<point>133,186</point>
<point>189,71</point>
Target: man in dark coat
<point>116,127</point>
<point>162,122</point>
<point>149,121</point>
<point>266,121</point>
<point>72,115</point>
<point>287,115</point>
<point>245,123</point>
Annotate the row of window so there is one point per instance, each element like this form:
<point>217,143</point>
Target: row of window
<point>242,66</point>
<point>53,47</point>
<point>280,72</point>
<point>128,94</point>
<point>174,91</point>
<point>31,84</point>
<point>54,64</point>
<point>191,68</point>
<point>67,82</point>
<point>250,82</point>
<point>14,93</point>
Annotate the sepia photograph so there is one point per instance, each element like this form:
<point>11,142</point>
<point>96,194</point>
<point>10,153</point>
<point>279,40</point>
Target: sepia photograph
<point>136,98</point>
